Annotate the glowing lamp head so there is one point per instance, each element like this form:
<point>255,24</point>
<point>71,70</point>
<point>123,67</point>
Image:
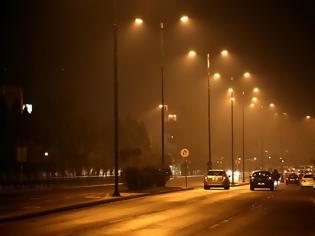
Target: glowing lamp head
<point>272,105</point>
<point>224,53</point>
<point>216,76</point>
<point>308,117</point>
<point>256,90</point>
<point>192,53</point>
<point>230,90</point>
<point>184,19</point>
<point>254,99</point>
<point>247,75</point>
<point>252,105</point>
<point>138,21</point>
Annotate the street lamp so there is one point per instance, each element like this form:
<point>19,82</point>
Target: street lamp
<point>184,19</point>
<point>224,53</point>
<point>192,53</point>
<point>138,21</point>
<point>232,99</point>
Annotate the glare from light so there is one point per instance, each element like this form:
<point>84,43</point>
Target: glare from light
<point>184,19</point>
<point>256,90</point>
<point>192,53</point>
<point>46,154</point>
<point>255,158</point>
<point>308,117</point>
<point>28,107</point>
<point>252,105</point>
<point>230,90</point>
<point>138,21</point>
<point>254,99</point>
<point>216,76</point>
<point>247,75</point>
<point>272,105</point>
<point>232,99</point>
<point>224,53</point>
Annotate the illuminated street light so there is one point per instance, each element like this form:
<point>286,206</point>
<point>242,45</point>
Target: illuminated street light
<point>256,90</point>
<point>184,19</point>
<point>172,117</point>
<point>308,117</point>
<point>216,76</point>
<point>165,107</point>
<point>46,154</point>
<point>247,75</point>
<point>252,105</point>
<point>272,105</point>
<point>230,90</point>
<point>224,53</point>
<point>192,53</point>
<point>254,99</point>
<point>138,21</point>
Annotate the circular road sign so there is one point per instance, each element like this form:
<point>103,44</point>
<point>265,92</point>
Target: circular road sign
<point>184,152</point>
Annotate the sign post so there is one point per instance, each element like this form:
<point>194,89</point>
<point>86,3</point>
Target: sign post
<point>185,153</point>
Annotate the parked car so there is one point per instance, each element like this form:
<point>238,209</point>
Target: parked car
<point>261,179</point>
<point>216,178</point>
<point>292,179</point>
<point>306,181</point>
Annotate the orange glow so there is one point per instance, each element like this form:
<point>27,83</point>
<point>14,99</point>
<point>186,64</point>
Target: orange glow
<point>224,53</point>
<point>254,99</point>
<point>308,117</point>
<point>138,21</point>
<point>184,19</point>
<point>256,90</point>
<point>230,90</point>
<point>247,75</point>
<point>271,105</point>
<point>252,105</point>
<point>216,76</point>
<point>192,53</point>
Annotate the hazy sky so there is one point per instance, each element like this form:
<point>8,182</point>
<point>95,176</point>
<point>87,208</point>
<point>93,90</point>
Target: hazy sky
<point>60,51</point>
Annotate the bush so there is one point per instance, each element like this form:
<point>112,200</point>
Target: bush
<point>142,178</point>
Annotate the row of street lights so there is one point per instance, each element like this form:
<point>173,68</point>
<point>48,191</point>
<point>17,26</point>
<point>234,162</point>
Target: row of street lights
<point>184,19</point>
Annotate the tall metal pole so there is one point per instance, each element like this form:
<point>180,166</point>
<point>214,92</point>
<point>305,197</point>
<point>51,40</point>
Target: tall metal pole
<point>115,26</point>
<point>232,134</point>
<point>243,134</point>
<point>162,89</point>
<point>209,112</point>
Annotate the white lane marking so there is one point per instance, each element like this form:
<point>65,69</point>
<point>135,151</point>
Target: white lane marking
<point>214,226</point>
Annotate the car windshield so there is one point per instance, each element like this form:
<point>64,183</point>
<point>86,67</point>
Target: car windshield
<point>293,176</point>
<point>308,176</point>
<point>261,173</point>
<point>216,172</point>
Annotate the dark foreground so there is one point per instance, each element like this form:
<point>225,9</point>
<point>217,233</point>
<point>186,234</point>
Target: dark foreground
<point>288,211</point>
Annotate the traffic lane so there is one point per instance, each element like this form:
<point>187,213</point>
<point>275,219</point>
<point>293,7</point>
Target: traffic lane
<point>290,211</point>
<point>184,213</point>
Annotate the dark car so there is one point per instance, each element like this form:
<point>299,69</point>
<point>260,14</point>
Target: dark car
<point>292,179</point>
<point>216,178</point>
<point>261,179</point>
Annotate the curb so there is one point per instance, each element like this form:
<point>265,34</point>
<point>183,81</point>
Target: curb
<point>81,205</point>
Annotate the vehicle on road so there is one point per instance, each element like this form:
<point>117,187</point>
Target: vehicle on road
<point>216,178</point>
<point>292,178</point>
<point>306,181</point>
<point>261,179</point>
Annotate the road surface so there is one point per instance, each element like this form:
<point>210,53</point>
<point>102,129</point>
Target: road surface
<point>238,211</point>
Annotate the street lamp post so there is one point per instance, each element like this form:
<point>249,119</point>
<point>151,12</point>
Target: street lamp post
<point>232,132</point>
<point>115,26</point>
<point>209,110</point>
<point>162,89</point>
<point>243,135</point>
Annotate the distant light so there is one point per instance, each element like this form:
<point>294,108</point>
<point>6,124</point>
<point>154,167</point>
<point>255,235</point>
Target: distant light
<point>184,19</point>
<point>308,117</point>
<point>224,53</point>
<point>252,105</point>
<point>165,107</point>
<point>256,90</point>
<point>232,99</point>
<point>230,90</point>
<point>28,107</point>
<point>255,158</point>
<point>138,21</point>
<point>46,154</point>
<point>271,105</point>
<point>269,157</point>
<point>247,75</point>
<point>266,151</point>
<point>284,113</point>
<point>172,117</point>
<point>216,76</point>
<point>254,99</point>
<point>192,53</point>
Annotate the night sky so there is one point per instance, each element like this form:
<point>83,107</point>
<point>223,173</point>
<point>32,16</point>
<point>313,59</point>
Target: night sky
<point>60,52</point>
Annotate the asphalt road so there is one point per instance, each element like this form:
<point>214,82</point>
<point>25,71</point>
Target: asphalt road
<point>238,211</point>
